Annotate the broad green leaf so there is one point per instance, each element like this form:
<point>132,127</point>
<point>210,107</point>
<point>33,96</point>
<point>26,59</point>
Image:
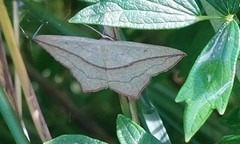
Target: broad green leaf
<point>226,7</point>
<point>129,132</point>
<point>74,139</point>
<point>210,81</point>
<point>141,14</point>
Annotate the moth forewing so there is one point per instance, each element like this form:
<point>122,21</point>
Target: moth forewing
<point>124,67</point>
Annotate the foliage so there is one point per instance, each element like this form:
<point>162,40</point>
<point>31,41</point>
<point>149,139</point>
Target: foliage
<point>140,14</point>
<point>210,81</point>
<point>209,69</point>
<point>72,139</point>
<point>128,133</point>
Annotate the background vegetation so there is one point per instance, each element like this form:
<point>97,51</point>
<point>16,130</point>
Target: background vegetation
<point>69,111</point>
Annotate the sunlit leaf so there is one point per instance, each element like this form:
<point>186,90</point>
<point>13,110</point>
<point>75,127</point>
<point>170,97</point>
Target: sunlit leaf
<point>141,14</point>
<point>210,81</point>
<point>74,139</point>
<point>129,132</point>
<point>152,119</point>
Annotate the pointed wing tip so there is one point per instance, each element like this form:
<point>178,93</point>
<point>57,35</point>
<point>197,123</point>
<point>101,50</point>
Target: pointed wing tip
<point>38,38</point>
<point>182,55</point>
<point>35,38</point>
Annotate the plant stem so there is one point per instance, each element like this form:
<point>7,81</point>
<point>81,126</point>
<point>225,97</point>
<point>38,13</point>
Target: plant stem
<point>210,10</point>
<point>18,92</point>
<point>5,77</point>
<point>125,106</point>
<point>133,109</point>
<point>211,17</point>
<point>128,105</point>
<point>21,70</point>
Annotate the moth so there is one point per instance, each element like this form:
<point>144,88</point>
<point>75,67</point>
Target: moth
<point>124,67</point>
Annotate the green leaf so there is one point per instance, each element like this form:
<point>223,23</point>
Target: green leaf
<point>226,7</point>
<point>210,81</point>
<point>151,118</point>
<point>129,132</point>
<point>74,139</point>
<point>141,14</point>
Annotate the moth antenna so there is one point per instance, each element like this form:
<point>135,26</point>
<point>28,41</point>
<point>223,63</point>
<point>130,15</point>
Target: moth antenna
<point>39,28</point>
<point>102,35</point>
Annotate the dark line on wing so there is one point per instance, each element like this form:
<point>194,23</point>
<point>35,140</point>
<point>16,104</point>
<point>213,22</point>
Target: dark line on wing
<point>114,68</point>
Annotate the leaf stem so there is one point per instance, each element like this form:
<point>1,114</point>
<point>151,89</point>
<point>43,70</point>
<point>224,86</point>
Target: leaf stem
<point>211,17</point>
<point>210,10</point>
<point>125,106</point>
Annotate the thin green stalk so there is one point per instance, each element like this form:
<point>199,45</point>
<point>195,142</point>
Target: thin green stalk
<point>128,105</point>
<point>11,119</point>
<point>133,109</point>
<point>125,106</point>
<point>210,10</point>
<point>211,17</point>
